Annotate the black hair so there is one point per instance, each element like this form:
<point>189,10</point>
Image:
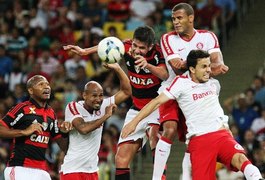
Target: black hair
<point>145,34</point>
<point>186,7</point>
<point>194,55</point>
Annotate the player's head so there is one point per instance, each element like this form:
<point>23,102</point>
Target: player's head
<point>39,88</point>
<point>93,96</point>
<point>143,40</point>
<point>182,17</point>
<point>199,65</point>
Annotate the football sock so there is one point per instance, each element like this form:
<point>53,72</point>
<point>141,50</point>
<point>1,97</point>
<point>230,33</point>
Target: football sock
<point>122,174</point>
<point>161,155</point>
<point>165,168</point>
<point>186,167</point>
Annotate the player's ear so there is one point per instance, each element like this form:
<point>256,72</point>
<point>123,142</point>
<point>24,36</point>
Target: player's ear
<point>192,69</point>
<point>84,95</point>
<point>191,18</point>
<point>30,90</point>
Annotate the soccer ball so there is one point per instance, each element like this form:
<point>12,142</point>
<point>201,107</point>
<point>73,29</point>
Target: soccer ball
<point>110,50</point>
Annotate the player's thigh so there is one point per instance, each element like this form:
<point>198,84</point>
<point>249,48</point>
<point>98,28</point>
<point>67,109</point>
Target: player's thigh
<point>140,131</point>
<point>18,172</point>
<point>203,158</point>
<point>227,150</point>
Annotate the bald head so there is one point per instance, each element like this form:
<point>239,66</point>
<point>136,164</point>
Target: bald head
<point>91,85</point>
<point>34,80</point>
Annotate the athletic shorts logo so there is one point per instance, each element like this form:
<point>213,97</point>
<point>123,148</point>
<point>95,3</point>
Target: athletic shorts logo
<point>239,147</point>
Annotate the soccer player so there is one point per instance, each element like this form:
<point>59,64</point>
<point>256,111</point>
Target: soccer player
<point>175,46</point>
<point>207,127</point>
<point>146,70</point>
<point>87,117</point>
<point>32,124</point>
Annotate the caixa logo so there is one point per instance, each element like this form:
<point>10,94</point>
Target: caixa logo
<point>17,119</point>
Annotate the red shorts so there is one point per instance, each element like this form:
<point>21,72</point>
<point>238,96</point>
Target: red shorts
<point>79,176</point>
<point>207,149</point>
<point>170,111</point>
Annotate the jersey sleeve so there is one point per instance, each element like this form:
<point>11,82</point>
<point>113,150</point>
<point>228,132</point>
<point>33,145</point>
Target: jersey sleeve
<point>174,90</point>
<point>167,50</point>
<point>213,43</point>
<point>13,116</point>
<point>72,111</point>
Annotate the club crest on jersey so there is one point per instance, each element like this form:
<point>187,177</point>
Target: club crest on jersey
<point>44,125</point>
<point>239,147</point>
<point>98,113</point>
<point>32,110</point>
<point>137,69</point>
<point>199,45</point>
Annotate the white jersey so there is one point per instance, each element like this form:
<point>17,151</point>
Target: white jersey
<point>199,103</point>
<point>173,46</point>
<point>82,154</point>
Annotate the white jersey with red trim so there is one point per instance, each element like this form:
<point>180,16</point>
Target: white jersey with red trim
<point>173,46</point>
<point>199,103</point>
<point>82,154</point>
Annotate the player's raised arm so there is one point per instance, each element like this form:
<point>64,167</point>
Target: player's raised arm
<point>125,87</point>
<point>80,51</point>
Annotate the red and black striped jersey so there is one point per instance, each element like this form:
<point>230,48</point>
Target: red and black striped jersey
<point>144,83</point>
<point>29,151</point>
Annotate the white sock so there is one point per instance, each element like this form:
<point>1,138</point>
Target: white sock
<point>251,172</point>
<point>186,167</point>
<point>161,155</point>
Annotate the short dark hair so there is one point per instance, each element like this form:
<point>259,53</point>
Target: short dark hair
<point>194,55</point>
<point>187,8</point>
<point>145,34</point>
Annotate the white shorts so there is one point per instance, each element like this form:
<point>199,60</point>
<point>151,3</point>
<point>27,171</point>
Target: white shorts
<point>140,131</point>
<point>25,173</point>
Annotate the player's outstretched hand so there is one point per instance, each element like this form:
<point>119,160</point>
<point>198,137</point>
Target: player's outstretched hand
<point>34,127</point>
<point>65,127</point>
<point>128,129</point>
<point>75,49</point>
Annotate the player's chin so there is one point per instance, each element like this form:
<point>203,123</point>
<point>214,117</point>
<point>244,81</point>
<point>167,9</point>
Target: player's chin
<point>46,96</point>
<point>97,107</point>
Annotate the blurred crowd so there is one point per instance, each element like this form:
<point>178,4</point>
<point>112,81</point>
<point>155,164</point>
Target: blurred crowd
<point>32,33</point>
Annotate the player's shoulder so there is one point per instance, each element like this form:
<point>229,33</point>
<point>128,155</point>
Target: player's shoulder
<point>73,105</point>
<point>127,42</point>
<point>19,107</point>
<point>156,47</point>
<point>171,33</point>
<point>204,32</point>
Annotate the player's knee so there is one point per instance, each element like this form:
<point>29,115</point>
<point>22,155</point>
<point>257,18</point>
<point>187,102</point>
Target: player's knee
<point>121,161</point>
<point>170,131</point>
<point>238,159</point>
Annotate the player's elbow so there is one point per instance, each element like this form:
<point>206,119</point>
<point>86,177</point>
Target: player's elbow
<point>164,76</point>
